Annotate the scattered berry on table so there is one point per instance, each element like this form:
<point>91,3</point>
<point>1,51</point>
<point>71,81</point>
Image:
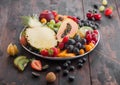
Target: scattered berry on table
<point>71,78</point>
<point>65,65</point>
<point>68,62</point>
<point>58,68</point>
<point>65,72</point>
<point>71,68</point>
<point>79,65</point>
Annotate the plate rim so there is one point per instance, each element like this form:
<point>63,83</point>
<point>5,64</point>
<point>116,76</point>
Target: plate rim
<point>57,58</point>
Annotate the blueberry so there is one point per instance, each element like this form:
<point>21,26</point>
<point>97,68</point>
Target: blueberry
<point>76,50</point>
<point>71,42</point>
<point>65,72</point>
<point>58,68</point>
<point>80,65</point>
<point>77,38</point>
<point>68,62</point>
<point>96,24</point>
<point>72,68</point>
<point>78,45</point>
<point>71,78</point>
<point>65,65</point>
<point>83,47</point>
<point>70,48</point>
<point>35,74</point>
<point>65,46</point>
<point>84,59</point>
<point>95,6</point>
<point>83,41</point>
<point>80,61</point>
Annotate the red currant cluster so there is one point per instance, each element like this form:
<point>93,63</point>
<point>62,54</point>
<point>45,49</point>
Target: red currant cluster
<point>93,15</point>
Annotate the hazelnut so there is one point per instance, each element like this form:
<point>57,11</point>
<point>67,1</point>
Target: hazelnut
<point>50,77</point>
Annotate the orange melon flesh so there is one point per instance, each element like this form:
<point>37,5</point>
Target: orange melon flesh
<point>62,28</point>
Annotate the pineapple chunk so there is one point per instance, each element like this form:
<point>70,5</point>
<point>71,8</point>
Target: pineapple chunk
<point>41,37</point>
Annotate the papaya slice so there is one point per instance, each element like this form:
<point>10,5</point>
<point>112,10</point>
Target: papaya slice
<point>68,28</point>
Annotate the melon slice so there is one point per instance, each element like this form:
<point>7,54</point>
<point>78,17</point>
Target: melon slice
<point>72,31</point>
<point>41,37</point>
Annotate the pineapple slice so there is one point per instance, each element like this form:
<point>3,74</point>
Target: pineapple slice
<point>31,21</point>
<point>41,37</point>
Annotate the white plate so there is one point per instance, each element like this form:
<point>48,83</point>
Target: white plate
<point>58,58</point>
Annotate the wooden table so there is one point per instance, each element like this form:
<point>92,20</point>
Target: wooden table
<point>103,64</point>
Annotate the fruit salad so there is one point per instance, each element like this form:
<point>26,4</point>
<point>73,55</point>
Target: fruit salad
<point>54,35</point>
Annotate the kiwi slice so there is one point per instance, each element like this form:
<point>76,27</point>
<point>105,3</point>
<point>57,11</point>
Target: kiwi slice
<point>22,64</point>
<point>17,59</point>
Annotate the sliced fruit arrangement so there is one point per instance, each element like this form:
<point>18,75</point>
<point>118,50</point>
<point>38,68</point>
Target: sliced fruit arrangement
<point>62,36</point>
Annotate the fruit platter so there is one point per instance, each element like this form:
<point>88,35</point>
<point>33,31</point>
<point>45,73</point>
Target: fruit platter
<point>58,37</point>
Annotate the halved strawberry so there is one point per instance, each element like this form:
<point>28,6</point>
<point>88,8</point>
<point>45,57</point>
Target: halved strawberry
<point>36,65</point>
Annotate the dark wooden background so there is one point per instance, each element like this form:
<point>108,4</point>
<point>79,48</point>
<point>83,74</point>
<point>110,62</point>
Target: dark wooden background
<point>103,64</point>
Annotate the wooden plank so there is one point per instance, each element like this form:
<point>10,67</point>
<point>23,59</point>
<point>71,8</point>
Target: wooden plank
<point>82,76</point>
<point>104,60</point>
<point>11,26</point>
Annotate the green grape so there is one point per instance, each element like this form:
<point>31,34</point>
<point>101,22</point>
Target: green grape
<point>52,22</point>
<point>51,26</point>
<point>58,24</point>
<point>101,8</point>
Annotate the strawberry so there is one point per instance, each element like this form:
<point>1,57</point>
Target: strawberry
<point>23,40</point>
<point>36,65</point>
<point>44,52</point>
<point>108,11</point>
<point>65,39</point>
<point>53,52</point>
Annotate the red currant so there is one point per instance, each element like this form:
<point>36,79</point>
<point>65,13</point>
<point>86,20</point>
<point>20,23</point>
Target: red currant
<point>97,16</point>
<point>89,15</point>
<point>88,37</point>
<point>95,31</point>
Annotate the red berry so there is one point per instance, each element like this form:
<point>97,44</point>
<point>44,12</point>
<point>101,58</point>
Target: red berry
<point>108,11</point>
<point>94,38</point>
<point>88,32</point>
<point>89,15</point>
<point>36,65</point>
<point>88,37</point>
<point>55,52</point>
<point>61,45</point>
<point>92,41</point>
<point>95,31</point>
<point>23,40</point>
<point>65,39</point>
<point>94,35</point>
<point>73,18</point>
<point>97,16</point>
<point>54,13</point>
<point>44,52</point>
